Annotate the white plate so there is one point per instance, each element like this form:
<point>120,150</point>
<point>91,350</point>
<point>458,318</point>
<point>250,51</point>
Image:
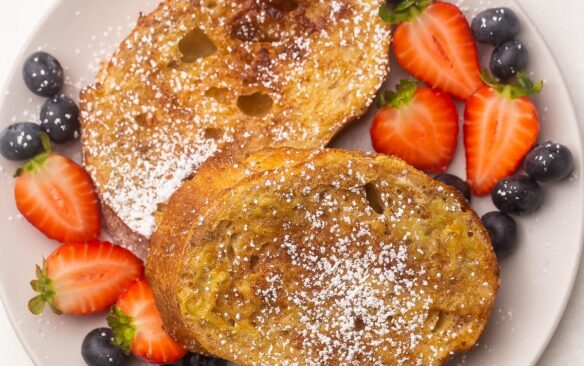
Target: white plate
<point>536,280</point>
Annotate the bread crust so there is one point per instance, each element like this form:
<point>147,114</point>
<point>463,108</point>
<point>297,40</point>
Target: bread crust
<point>461,303</point>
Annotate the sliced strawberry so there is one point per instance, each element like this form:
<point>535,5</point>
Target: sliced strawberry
<point>434,43</point>
<point>138,327</point>
<point>501,126</point>
<point>419,125</point>
<point>85,278</point>
<point>57,196</point>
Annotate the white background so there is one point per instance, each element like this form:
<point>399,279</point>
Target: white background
<point>561,24</point>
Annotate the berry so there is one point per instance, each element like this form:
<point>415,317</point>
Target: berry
<point>495,26</point>
<point>20,141</point>
<point>81,279</point>
<point>60,119</point>
<point>98,349</point>
<point>508,59</point>
<point>518,194</point>
<point>419,125</point>
<point>194,359</point>
<point>138,327</point>
<point>434,43</point>
<point>43,74</point>
<point>455,182</point>
<point>549,162</point>
<point>503,232</point>
<point>57,196</point>
<point>495,146</point>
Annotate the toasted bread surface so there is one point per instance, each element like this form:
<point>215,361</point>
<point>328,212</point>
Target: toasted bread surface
<point>199,76</point>
<point>341,258</point>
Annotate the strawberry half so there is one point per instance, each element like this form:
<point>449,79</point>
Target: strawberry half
<point>419,125</point>
<point>81,279</point>
<point>138,327</point>
<point>57,196</point>
<point>501,126</point>
<point>434,43</point>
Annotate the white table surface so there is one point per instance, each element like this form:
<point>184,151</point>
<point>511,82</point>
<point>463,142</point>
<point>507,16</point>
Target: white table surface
<point>559,20</point>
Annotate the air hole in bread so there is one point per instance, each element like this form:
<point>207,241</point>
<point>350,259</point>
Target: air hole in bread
<point>210,4</point>
<point>145,120</point>
<point>284,5</point>
<point>374,198</point>
<point>195,45</point>
<point>255,105</point>
<point>438,321</point>
<point>213,133</point>
<point>230,253</point>
<point>253,262</point>
<point>172,65</point>
<point>359,324</point>
<point>219,94</point>
<point>231,322</point>
<point>470,234</point>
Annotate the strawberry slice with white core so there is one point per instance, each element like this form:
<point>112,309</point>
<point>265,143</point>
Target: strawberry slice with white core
<point>501,126</point>
<point>138,326</point>
<point>57,196</point>
<point>86,278</point>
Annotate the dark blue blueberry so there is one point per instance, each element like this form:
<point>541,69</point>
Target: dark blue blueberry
<point>97,349</point>
<point>549,162</point>
<point>43,74</point>
<point>60,119</point>
<point>20,141</point>
<point>508,59</point>
<point>195,359</point>
<point>503,232</point>
<point>455,182</point>
<point>518,194</point>
<point>495,26</point>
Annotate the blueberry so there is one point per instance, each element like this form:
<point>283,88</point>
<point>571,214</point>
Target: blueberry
<point>43,74</point>
<point>508,59</point>
<point>98,350</point>
<point>20,141</point>
<point>549,162</point>
<point>455,182</point>
<point>518,194</point>
<point>502,231</point>
<point>495,26</point>
<point>60,119</point>
<point>195,359</point>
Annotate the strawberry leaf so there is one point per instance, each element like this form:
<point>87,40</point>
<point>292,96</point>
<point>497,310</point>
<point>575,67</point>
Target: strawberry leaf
<point>36,305</point>
<point>123,328</point>
<point>401,97</point>
<point>404,11</point>
<point>44,286</point>
<point>523,88</point>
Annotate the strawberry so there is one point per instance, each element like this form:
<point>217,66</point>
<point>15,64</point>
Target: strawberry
<point>86,278</point>
<point>501,126</point>
<point>138,327</point>
<point>419,125</point>
<point>57,196</point>
<point>433,42</point>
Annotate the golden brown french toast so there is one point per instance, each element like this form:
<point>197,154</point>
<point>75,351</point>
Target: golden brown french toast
<point>342,258</point>
<point>199,76</point>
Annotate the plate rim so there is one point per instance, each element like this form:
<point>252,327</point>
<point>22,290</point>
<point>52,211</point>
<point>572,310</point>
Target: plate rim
<point>524,15</point>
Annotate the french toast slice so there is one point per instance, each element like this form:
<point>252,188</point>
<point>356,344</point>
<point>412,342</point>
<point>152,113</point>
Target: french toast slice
<point>340,258</point>
<point>200,76</point>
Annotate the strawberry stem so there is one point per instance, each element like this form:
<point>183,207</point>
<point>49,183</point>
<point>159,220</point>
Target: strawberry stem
<point>404,11</point>
<point>401,97</point>
<point>123,327</point>
<point>44,286</point>
<point>38,161</point>
<point>523,88</point>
